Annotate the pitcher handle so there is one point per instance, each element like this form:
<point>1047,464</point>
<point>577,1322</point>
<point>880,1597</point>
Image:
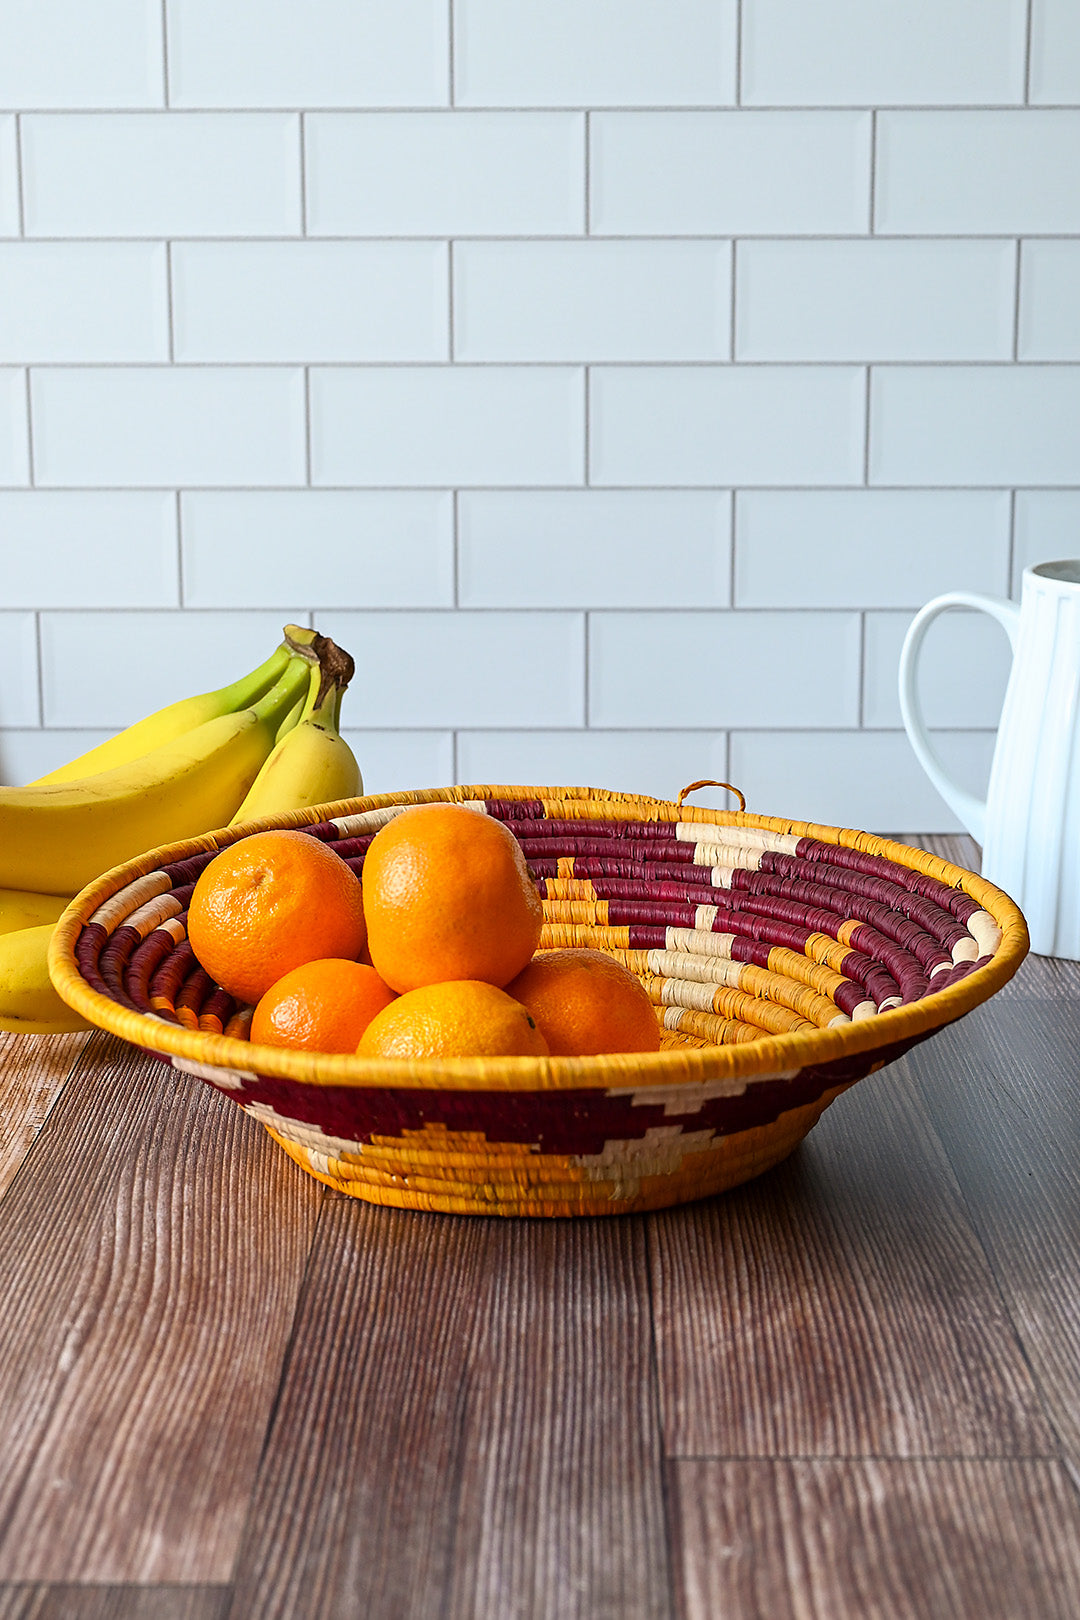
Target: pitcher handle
<point>972,811</point>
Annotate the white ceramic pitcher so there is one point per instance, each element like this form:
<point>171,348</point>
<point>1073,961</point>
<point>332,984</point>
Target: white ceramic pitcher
<point>1029,825</point>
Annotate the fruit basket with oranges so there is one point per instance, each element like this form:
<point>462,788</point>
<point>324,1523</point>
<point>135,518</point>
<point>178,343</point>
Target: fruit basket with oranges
<point>750,968</point>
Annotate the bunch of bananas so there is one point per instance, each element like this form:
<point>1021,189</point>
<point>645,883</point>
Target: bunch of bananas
<point>265,744</point>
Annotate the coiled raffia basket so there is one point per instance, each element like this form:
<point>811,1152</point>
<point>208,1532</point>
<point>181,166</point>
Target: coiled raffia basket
<point>786,961</point>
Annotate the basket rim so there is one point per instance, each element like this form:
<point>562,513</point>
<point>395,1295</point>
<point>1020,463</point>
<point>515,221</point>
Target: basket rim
<point>771,1057</point>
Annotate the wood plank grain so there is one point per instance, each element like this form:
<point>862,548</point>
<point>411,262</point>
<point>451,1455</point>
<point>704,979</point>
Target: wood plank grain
<point>467,1428</point>
<point>154,1247</point>
<point>71,1602</point>
<point>877,1540</point>
<point>33,1071</point>
<point>1003,1092</point>
<point>840,1305</point>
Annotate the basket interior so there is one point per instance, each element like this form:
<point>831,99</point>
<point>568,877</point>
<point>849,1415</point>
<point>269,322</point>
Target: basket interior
<point>738,930</point>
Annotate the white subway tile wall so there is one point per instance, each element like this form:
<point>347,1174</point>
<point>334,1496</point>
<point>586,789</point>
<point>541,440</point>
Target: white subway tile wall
<point>614,382</point>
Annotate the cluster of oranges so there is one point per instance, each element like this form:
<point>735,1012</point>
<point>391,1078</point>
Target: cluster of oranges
<point>434,954</point>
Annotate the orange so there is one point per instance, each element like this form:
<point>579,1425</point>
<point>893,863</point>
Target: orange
<point>461,1018</point>
<point>269,903</point>
<point>586,1002</point>
<point>447,895</point>
<point>322,1006</point>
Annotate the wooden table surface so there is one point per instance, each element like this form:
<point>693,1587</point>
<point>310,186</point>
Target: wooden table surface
<point>850,1388</point>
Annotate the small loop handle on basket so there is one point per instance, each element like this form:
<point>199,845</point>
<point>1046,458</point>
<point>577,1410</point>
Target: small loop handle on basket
<point>707,782</point>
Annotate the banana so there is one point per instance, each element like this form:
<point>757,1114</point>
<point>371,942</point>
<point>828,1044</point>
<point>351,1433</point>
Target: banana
<point>312,763</point>
<point>28,1003</point>
<point>58,838</point>
<point>25,908</point>
<point>166,725</point>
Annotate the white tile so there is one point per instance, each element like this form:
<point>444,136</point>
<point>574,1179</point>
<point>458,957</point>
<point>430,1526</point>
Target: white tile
<point>723,669</point>
<point>88,659</point>
<point>1047,528</point>
<point>592,301</point>
<point>868,547</point>
<point>401,761</point>
<point>978,171</point>
<point>9,176</point>
<point>594,548</point>
<point>963,666</point>
<point>658,763</point>
<point>874,300</point>
<point>445,174</point>
<point>729,173</point>
<point>975,425</point>
<point>589,53</point>
<point>868,780</point>
<point>311,301</point>
<point>1049,301</point>
<point>441,425</point>
<point>18,670</point>
<point>82,53</point>
<point>436,670</point>
<point>324,53</point>
<point>161,174</point>
<point>726,425</point>
<point>26,755</point>
<point>1055,51</point>
<point>340,548</point>
<point>843,53</point>
<point>14,428</point>
<point>162,425</point>
<point>83,301</point>
<point>81,548</point>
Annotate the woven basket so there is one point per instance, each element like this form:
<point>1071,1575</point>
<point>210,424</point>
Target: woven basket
<point>786,961</point>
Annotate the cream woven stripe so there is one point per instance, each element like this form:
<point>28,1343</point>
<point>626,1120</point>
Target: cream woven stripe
<point>153,914</point>
<point>367,821</point>
<point>728,838</point>
<point>698,941</point>
<point>116,911</point>
<point>725,858</point>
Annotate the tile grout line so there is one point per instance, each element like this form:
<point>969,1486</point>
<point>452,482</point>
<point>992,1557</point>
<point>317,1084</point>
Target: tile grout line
<point>734,302</point>
<point>738,52</point>
<point>170,311</point>
<point>450,298</point>
<point>872,224</point>
<point>587,454</point>
<point>588,172</point>
<point>165,51</point>
<point>586,690</point>
<point>303,176</point>
<point>1028,29</point>
<point>40,672</point>
<point>181,585</point>
<point>866,429</point>
<point>1011,581</point>
<point>1017,270</point>
<point>29,395</point>
<point>20,192</point>
<point>451,65</point>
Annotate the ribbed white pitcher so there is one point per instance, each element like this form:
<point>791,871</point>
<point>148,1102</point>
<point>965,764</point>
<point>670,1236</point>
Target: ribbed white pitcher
<point>1029,825</point>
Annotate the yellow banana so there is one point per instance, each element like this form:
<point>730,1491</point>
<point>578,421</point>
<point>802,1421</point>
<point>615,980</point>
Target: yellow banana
<point>25,908</point>
<point>167,724</point>
<point>312,763</point>
<point>28,1003</point>
<point>60,837</point>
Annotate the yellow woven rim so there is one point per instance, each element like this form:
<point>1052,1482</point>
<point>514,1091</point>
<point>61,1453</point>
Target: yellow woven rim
<point>672,1066</point>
